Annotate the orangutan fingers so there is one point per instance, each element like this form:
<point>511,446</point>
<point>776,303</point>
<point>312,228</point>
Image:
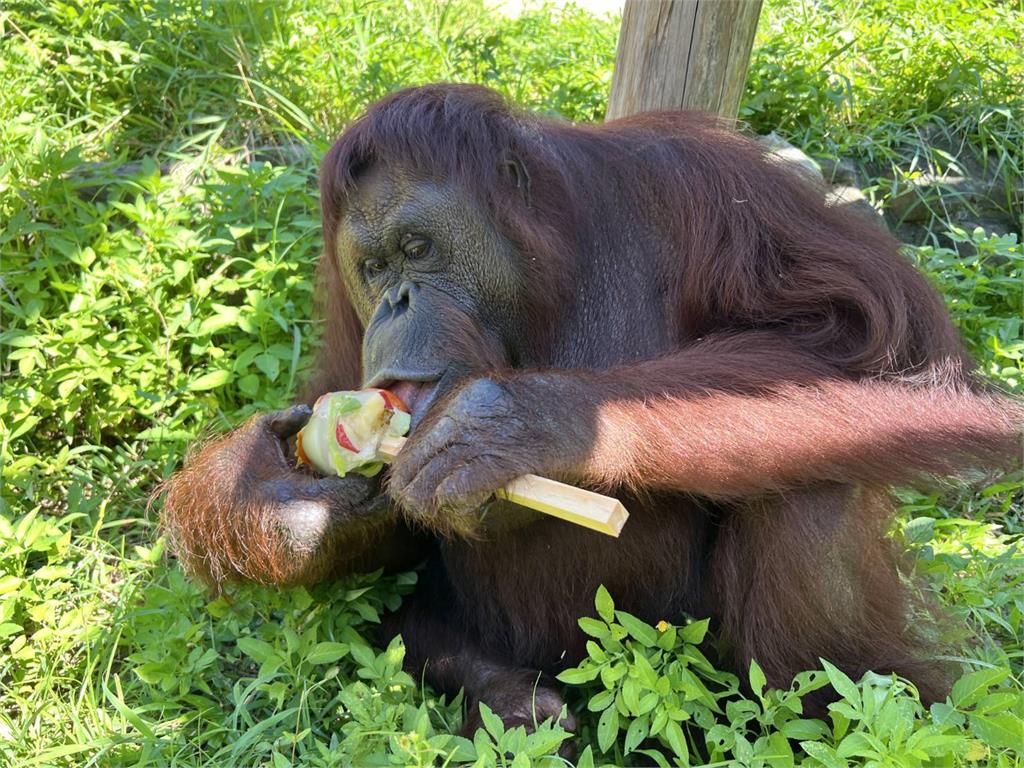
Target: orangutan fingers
<point>288,422</point>
<point>468,487</point>
<point>344,494</point>
<point>420,449</point>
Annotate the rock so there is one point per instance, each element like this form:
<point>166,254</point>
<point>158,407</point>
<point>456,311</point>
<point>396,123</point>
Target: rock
<point>852,198</point>
<point>946,196</point>
<point>840,170</point>
<point>781,150</point>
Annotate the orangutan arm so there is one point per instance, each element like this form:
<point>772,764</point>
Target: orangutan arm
<point>729,417</point>
<point>239,510</point>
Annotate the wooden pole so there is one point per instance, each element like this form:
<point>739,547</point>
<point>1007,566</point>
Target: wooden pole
<point>683,54</point>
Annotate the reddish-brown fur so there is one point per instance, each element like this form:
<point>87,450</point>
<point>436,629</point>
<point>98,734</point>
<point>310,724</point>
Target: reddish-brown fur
<point>798,366</point>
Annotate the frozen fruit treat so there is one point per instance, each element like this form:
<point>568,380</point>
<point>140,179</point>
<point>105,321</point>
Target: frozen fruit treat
<point>345,431</point>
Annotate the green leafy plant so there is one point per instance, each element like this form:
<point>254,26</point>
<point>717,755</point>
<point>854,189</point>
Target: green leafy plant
<point>659,696</point>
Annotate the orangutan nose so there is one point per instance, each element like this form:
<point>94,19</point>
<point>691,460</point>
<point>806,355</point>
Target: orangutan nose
<point>400,297</point>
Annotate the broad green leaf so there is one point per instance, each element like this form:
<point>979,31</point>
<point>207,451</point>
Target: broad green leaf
<point>257,650</point>
<point>586,759</point>
<point>491,722</point>
<point>857,745</point>
<point>757,679</point>
<point>635,734</point>
<point>604,604</point>
<point>210,380</point>
<point>843,685</point>
<point>1005,731</point>
<point>972,686</point>
<point>823,754</point>
<point>601,701</point>
<point>607,728</point>
<point>593,627</point>
<point>364,655</point>
<point>579,675</point>
<point>695,632</point>
<point>673,734</point>
<point>804,730</point>
<point>640,630</point>
<point>326,653</point>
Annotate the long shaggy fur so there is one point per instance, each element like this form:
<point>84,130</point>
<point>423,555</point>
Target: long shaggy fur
<point>788,367</point>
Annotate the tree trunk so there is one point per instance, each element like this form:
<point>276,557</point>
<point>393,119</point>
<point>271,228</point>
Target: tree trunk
<point>683,54</point>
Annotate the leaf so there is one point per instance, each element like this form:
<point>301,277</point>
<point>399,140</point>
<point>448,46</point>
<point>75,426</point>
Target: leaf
<point>601,701</point>
<point>270,366</point>
<point>249,384</point>
<point>363,655</point>
<point>659,721</point>
<point>604,604</point>
<point>640,630</point>
<point>843,685</point>
<point>631,696</point>
<point>1004,731</point>
<point>945,714</point>
<point>856,745</point>
<point>256,649</point>
<point>757,679</point>
<point>935,744</point>
<point>607,728</point>
<point>997,701</point>
<point>648,702</point>
<point>657,758</point>
<point>546,742</point>
<point>920,530</point>
<point>694,632</point>
<point>593,627</point>
<point>492,722</point>
<point>326,652</point>
<point>823,754</point>
<point>586,758</point>
<point>972,686</point>
<point>804,730</point>
<point>210,380</point>
<point>673,734</point>
<point>579,675</point>
<point>635,734</point>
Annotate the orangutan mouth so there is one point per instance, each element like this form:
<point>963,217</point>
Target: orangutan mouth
<point>417,395</point>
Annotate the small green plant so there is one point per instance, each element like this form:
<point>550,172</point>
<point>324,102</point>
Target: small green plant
<point>659,696</point>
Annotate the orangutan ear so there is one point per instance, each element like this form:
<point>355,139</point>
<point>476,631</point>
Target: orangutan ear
<point>515,172</point>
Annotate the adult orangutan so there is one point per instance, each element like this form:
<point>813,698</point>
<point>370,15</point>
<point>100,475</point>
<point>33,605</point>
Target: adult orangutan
<point>649,307</point>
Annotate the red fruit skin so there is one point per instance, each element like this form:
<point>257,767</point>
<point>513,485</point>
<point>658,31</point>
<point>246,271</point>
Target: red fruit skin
<point>342,438</point>
<point>392,401</point>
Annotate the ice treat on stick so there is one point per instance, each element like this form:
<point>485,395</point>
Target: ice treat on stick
<point>361,431</point>
<point>345,430</point>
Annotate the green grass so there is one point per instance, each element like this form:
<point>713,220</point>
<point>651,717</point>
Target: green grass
<point>158,228</point>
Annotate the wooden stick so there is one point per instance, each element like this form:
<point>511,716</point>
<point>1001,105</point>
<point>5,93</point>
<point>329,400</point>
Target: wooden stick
<point>576,505</point>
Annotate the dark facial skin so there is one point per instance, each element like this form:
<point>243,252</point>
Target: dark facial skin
<point>441,296</point>
<point>425,266</point>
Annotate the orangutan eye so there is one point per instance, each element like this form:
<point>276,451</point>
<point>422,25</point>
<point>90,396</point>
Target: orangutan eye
<point>373,267</point>
<point>415,247</point>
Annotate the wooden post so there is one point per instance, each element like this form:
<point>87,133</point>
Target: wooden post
<point>683,54</point>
